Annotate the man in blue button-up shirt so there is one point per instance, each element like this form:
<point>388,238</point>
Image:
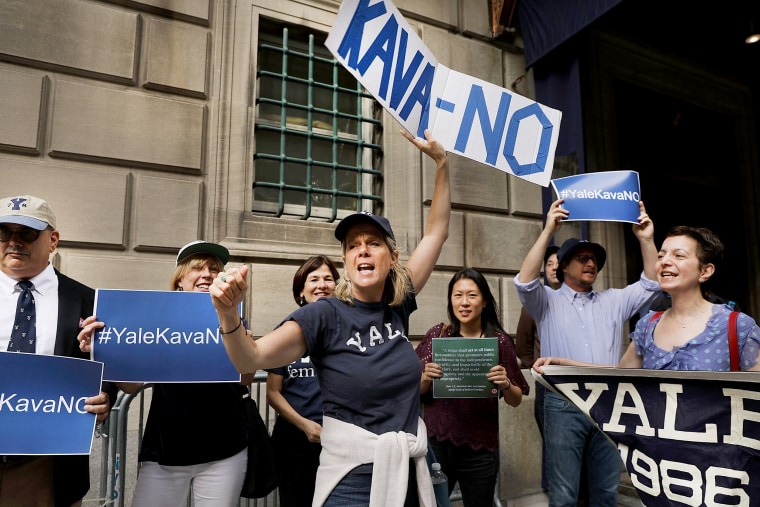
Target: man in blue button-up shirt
<point>578,323</point>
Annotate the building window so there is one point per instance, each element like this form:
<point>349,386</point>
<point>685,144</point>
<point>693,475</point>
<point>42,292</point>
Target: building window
<point>316,134</point>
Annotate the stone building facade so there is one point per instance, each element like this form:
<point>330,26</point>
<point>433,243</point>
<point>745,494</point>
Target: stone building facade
<point>136,119</point>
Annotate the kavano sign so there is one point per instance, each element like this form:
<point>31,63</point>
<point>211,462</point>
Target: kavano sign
<point>469,116</point>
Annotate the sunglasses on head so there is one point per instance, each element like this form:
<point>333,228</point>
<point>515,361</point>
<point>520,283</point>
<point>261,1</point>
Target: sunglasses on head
<point>26,234</point>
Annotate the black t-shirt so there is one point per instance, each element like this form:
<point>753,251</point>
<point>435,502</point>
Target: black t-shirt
<point>189,424</point>
<point>366,365</point>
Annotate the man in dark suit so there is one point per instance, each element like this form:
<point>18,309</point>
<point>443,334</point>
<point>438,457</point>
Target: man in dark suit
<point>27,239</point>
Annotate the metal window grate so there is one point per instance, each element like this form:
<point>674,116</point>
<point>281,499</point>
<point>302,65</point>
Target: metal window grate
<point>316,155</point>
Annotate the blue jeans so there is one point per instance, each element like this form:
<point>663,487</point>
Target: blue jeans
<point>567,432</point>
<point>538,413</point>
<point>353,490</point>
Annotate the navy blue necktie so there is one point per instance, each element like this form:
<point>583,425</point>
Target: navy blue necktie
<point>24,333</point>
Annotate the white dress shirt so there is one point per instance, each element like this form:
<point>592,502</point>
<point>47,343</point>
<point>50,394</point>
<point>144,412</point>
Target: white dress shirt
<point>46,307</point>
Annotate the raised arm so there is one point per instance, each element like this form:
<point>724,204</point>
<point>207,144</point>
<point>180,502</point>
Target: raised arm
<point>644,232</point>
<point>531,266</point>
<point>277,348</point>
<point>425,256</point>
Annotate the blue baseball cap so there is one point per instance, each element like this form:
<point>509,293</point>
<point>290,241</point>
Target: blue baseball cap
<point>571,245</point>
<point>363,216</point>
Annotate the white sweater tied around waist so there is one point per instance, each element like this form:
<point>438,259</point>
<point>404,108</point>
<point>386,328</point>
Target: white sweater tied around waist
<point>346,446</point>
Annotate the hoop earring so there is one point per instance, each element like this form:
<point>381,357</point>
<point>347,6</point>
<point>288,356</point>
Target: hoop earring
<point>180,289</point>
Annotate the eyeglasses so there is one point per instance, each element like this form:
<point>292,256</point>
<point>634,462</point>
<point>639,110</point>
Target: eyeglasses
<point>27,234</point>
<point>583,259</point>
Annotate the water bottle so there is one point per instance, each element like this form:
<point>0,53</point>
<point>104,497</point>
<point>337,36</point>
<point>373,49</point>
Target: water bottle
<point>440,485</point>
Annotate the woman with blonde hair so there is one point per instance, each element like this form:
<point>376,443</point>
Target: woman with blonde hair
<point>175,458</point>
<point>373,440</point>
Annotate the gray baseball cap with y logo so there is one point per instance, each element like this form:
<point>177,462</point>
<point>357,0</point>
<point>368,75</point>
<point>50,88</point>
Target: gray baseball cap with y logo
<point>26,210</point>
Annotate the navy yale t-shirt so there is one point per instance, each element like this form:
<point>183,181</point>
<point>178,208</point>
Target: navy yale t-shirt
<point>366,366</point>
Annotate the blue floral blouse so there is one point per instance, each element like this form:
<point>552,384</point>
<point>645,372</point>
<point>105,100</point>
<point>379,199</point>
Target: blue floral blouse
<point>708,351</point>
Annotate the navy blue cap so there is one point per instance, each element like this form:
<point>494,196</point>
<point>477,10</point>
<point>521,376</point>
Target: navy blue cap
<point>363,216</point>
<point>571,245</point>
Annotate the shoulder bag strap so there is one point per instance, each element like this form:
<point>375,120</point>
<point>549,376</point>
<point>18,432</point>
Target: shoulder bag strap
<point>655,316</point>
<point>733,341</point>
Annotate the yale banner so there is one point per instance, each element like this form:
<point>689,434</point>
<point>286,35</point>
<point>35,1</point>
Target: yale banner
<point>686,438</point>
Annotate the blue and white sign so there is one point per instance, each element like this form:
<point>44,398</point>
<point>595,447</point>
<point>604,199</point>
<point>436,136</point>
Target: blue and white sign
<point>384,53</point>
<point>470,117</point>
<point>42,401</point>
<point>489,124</point>
<point>160,336</point>
<point>686,438</point>
<point>611,196</point>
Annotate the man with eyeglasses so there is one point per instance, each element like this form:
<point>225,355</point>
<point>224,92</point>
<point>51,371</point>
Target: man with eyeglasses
<point>577,322</point>
<point>27,239</point>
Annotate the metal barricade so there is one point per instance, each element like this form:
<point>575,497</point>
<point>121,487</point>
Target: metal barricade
<point>119,467</point>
